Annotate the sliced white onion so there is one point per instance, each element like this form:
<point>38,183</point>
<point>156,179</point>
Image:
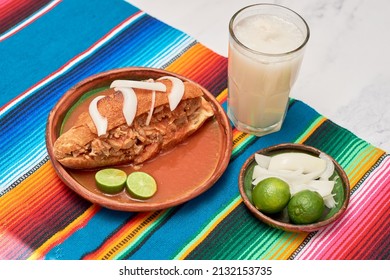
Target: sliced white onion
<point>291,177</point>
<point>262,160</point>
<point>329,170</point>
<point>177,91</point>
<point>324,188</point>
<point>259,171</point>
<point>295,188</point>
<point>149,118</point>
<point>329,201</point>
<point>265,176</point>
<point>139,84</point>
<point>129,104</point>
<point>99,121</point>
<point>296,161</point>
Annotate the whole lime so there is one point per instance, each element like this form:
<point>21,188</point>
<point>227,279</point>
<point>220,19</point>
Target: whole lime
<point>271,195</point>
<point>305,207</point>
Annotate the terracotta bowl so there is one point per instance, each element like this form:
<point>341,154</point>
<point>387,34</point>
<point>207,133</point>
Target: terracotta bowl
<point>281,220</point>
<point>120,202</point>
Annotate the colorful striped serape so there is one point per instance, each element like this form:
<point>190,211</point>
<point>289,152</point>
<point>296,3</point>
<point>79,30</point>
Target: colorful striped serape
<point>46,49</point>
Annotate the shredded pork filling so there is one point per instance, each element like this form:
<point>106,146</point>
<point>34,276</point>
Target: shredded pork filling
<point>141,140</point>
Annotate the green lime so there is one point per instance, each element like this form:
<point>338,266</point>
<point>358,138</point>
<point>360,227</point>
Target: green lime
<point>110,180</point>
<point>305,207</point>
<point>271,195</point>
<point>141,185</point>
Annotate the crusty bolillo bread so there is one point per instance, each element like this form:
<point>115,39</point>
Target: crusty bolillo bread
<point>81,148</point>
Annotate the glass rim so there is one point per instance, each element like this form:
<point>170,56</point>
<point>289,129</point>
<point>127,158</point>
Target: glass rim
<point>301,46</point>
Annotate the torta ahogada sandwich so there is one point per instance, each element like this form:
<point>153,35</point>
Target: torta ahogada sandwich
<point>132,122</point>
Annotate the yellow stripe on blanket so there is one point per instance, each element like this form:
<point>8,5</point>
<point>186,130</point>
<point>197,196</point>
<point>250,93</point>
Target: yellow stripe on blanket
<point>127,234</point>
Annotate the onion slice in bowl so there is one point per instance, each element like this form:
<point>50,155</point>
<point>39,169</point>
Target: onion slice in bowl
<point>129,104</point>
<point>329,201</point>
<point>176,93</point>
<point>100,122</point>
<point>263,160</point>
<point>329,170</point>
<point>139,84</point>
<point>324,188</point>
<point>293,161</point>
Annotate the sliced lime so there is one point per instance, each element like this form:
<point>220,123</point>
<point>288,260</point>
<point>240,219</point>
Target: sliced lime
<point>111,180</point>
<point>141,185</point>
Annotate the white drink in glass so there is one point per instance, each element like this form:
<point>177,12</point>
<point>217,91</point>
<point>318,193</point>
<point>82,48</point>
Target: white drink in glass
<point>266,48</point>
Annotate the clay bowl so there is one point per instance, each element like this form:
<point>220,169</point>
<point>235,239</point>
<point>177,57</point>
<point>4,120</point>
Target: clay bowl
<point>281,220</point>
<point>180,194</point>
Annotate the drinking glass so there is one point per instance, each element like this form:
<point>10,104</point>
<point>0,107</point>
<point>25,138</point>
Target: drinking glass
<point>266,48</point>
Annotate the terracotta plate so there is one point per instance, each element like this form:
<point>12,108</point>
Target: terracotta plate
<point>182,173</point>
<point>280,220</point>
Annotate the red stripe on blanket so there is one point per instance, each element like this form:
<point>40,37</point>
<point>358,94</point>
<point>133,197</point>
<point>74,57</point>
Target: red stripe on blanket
<point>13,12</point>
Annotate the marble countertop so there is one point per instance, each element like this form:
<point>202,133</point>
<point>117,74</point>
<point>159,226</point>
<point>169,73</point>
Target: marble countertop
<point>345,73</point>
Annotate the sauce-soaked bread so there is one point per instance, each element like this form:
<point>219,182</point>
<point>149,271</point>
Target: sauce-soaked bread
<point>81,148</point>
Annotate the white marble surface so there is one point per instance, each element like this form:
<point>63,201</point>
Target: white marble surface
<point>345,74</point>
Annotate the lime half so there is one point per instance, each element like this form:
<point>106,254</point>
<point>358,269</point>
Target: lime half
<point>141,185</point>
<point>111,180</point>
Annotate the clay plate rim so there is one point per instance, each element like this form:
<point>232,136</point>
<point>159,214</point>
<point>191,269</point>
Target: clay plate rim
<point>59,111</point>
<point>288,226</point>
